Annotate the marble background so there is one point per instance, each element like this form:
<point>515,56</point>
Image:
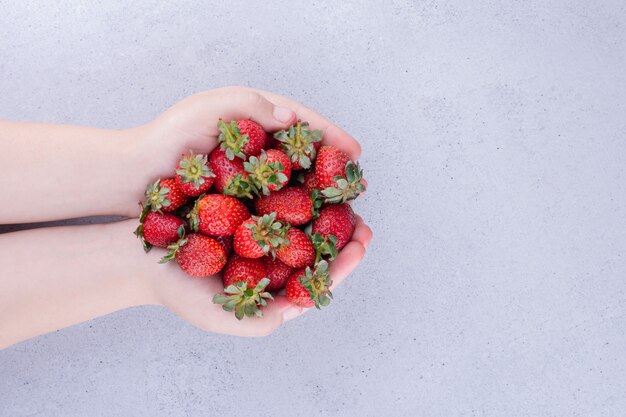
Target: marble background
<point>494,143</point>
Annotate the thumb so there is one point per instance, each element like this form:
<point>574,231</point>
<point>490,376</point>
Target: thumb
<point>243,103</point>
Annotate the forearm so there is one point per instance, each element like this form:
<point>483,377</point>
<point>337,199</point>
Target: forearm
<point>54,172</point>
<point>55,277</point>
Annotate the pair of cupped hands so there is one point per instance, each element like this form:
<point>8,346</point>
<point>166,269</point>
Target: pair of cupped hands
<point>191,124</point>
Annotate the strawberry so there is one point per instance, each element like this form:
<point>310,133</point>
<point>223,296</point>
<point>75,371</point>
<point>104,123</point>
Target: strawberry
<point>336,220</point>
<point>308,288</point>
<point>158,229</point>
<point>309,182</point>
<point>300,144</point>
<point>241,138</point>
<point>239,268</point>
<point>259,236</point>
<point>164,195</point>
<point>295,292</point>
<point>299,252</point>
<point>277,272</point>
<point>270,171</point>
<point>217,215</point>
<point>230,176</point>
<point>197,255</point>
<point>244,283</point>
<point>337,176</point>
<point>194,175</point>
<point>226,242</point>
<point>331,163</point>
<point>291,204</point>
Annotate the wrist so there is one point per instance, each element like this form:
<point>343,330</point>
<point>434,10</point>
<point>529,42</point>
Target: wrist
<point>131,178</point>
<point>138,272</point>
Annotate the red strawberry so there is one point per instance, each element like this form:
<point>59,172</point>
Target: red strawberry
<point>309,182</point>
<point>338,178</point>
<point>259,236</point>
<point>337,220</point>
<point>226,242</point>
<point>270,171</point>
<point>230,176</point>
<point>218,215</point>
<point>164,195</point>
<point>309,185</point>
<point>194,175</point>
<point>197,255</point>
<point>299,252</point>
<point>277,272</point>
<point>243,269</point>
<point>158,229</point>
<point>331,163</point>
<point>296,293</point>
<point>291,204</point>
<point>244,287</point>
<point>300,144</point>
<point>308,288</point>
<point>241,138</point>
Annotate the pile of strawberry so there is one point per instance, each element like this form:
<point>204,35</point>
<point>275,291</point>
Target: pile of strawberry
<point>267,210</point>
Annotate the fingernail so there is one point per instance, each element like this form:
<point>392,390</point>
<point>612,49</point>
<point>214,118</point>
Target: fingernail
<point>282,114</point>
<point>291,313</point>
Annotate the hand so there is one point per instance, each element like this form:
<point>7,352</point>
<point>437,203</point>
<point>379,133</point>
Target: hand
<point>191,298</point>
<point>192,124</point>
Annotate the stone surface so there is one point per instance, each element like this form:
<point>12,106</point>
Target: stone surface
<point>494,143</point>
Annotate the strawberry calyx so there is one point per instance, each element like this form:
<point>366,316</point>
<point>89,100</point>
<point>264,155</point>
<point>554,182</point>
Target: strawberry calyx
<point>139,230</point>
<point>324,246</point>
<point>231,140</point>
<point>317,200</point>
<point>192,216</point>
<point>317,283</point>
<point>240,187</point>
<point>297,142</point>
<point>156,198</point>
<point>268,233</point>
<point>263,173</point>
<point>243,300</point>
<point>348,187</point>
<point>194,168</point>
<point>174,248</point>
<point>139,233</point>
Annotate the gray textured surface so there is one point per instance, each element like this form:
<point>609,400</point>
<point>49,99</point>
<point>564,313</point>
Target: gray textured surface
<point>495,283</point>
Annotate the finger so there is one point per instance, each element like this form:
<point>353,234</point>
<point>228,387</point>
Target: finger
<point>333,135</point>
<point>293,312</point>
<point>220,321</point>
<point>346,262</point>
<point>337,137</point>
<point>362,232</point>
<point>277,312</point>
<point>245,103</point>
